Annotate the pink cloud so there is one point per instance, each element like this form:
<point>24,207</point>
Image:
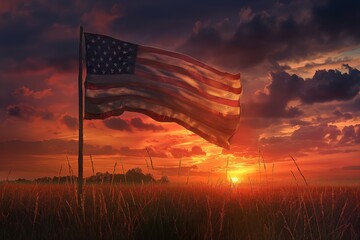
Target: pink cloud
<point>27,92</point>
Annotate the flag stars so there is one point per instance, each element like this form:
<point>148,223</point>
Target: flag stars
<point>109,56</point>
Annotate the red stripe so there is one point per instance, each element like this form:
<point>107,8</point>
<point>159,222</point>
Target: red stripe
<point>159,118</point>
<point>144,49</point>
<point>167,80</point>
<point>198,113</point>
<point>192,74</point>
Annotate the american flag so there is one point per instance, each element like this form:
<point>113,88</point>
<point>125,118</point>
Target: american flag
<point>165,85</point>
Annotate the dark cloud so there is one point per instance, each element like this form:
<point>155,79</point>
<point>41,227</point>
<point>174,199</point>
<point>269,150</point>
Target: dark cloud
<point>305,140</point>
<point>140,125</point>
<point>319,132</point>
<point>118,124</point>
<point>273,102</point>
<point>340,114</point>
<point>70,122</point>
<point>287,31</point>
<point>27,112</point>
<point>298,122</point>
<point>52,146</point>
<point>181,152</point>
<point>324,86</point>
<point>352,168</point>
<point>27,92</point>
<point>290,30</point>
<point>351,134</point>
<point>142,152</point>
<point>331,85</point>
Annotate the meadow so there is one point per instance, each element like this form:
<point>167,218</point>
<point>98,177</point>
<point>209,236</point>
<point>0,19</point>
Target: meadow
<point>178,211</point>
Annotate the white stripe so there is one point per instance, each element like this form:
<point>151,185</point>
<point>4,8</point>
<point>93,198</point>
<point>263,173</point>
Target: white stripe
<point>98,109</point>
<point>189,96</point>
<point>186,65</point>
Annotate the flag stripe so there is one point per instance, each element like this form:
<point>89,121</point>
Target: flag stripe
<point>162,114</point>
<point>161,118</point>
<point>153,76</point>
<point>142,82</point>
<point>195,112</point>
<point>186,72</point>
<point>143,49</point>
<point>186,65</point>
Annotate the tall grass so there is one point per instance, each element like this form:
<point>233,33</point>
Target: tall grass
<point>176,211</point>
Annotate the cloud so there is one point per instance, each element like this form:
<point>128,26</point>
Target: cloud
<point>118,124</point>
<point>316,133</point>
<point>352,168</point>
<point>70,122</point>
<point>273,102</point>
<point>140,125</point>
<point>180,152</point>
<point>27,112</point>
<point>51,146</point>
<point>324,86</point>
<point>351,134</point>
<point>292,30</point>
<point>340,114</point>
<point>305,140</point>
<point>331,85</point>
<point>27,92</point>
<point>136,152</point>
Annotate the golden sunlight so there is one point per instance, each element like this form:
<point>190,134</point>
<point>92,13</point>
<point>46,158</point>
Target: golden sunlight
<point>235,180</point>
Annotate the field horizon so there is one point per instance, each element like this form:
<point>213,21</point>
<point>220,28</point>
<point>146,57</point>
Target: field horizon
<point>178,211</point>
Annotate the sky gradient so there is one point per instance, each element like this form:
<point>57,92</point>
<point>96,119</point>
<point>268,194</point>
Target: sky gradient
<point>299,63</point>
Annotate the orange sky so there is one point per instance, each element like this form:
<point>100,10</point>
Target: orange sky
<point>301,93</point>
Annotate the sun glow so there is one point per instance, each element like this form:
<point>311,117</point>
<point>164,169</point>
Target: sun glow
<point>235,180</point>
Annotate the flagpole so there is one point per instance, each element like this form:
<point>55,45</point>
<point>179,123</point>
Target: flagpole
<point>81,133</point>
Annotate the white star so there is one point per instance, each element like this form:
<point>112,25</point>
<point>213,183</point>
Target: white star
<point>94,70</point>
<point>103,71</point>
<point>110,59</point>
<point>104,52</point>
<point>114,53</point>
<point>119,70</point>
<point>93,40</point>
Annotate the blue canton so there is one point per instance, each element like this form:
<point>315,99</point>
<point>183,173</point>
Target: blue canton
<point>106,55</point>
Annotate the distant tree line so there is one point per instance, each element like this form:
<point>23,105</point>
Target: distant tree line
<point>134,175</point>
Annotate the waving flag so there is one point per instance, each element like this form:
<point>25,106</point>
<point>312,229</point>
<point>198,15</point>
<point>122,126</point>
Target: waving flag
<point>167,86</point>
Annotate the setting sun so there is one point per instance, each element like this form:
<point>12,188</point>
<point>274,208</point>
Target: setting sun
<point>235,180</point>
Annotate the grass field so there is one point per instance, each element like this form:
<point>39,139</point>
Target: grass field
<point>174,211</point>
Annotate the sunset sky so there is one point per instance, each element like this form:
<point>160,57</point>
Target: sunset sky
<point>299,63</point>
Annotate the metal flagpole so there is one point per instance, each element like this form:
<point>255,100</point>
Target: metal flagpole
<point>80,153</point>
